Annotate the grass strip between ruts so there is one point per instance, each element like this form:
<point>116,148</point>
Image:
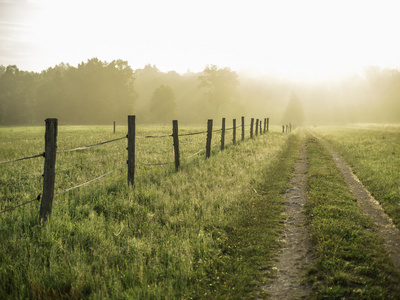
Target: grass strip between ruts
<point>351,261</point>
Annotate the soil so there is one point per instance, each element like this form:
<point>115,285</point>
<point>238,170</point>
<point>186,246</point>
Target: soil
<point>296,254</point>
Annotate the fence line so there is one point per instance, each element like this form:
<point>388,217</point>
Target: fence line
<point>91,146</point>
<point>25,203</point>
<point>87,182</point>
<point>50,154</point>
<point>19,159</point>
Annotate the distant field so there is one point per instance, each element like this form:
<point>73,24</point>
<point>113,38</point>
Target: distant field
<point>174,235</point>
<point>373,151</point>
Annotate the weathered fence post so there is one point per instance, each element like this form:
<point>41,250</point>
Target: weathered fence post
<point>209,136</point>
<point>49,174</point>
<point>176,143</point>
<point>261,127</point>
<point>283,128</point>
<point>131,149</point>
<point>114,126</point>
<point>267,124</point>
<point>234,132</point>
<point>223,135</point>
<point>251,127</point>
<point>242,128</point>
<point>256,127</point>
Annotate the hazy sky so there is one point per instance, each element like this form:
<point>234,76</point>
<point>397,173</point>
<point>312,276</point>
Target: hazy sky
<point>299,38</point>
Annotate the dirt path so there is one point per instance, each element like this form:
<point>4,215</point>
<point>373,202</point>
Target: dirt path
<point>371,207</point>
<point>296,254</point>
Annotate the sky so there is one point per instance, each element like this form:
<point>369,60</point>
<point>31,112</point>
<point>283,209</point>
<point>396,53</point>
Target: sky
<point>299,39</point>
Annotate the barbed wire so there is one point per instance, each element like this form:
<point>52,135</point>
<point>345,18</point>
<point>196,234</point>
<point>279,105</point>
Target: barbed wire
<point>91,146</point>
<point>155,164</point>
<point>153,136</point>
<point>19,159</point>
<point>87,182</point>
<point>12,208</point>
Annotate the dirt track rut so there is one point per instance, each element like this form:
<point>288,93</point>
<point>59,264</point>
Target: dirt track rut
<point>296,254</point>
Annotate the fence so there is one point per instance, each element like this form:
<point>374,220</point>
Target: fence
<point>51,152</point>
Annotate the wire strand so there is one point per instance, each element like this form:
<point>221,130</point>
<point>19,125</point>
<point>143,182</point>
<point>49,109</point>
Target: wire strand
<point>12,208</point>
<point>28,157</point>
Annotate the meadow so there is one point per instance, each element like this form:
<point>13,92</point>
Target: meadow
<point>206,231</point>
<point>351,261</point>
<point>373,152</point>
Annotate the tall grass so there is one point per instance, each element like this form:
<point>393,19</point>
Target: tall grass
<point>374,155</point>
<point>173,235</point>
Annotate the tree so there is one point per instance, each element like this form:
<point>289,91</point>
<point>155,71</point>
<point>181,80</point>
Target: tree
<point>17,91</point>
<point>294,112</point>
<point>163,105</point>
<point>222,87</point>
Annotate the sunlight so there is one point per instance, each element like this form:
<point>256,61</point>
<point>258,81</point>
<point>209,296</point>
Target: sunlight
<point>303,40</point>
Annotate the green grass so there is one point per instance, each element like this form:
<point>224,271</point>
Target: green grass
<point>374,155</point>
<point>351,261</point>
<point>205,232</point>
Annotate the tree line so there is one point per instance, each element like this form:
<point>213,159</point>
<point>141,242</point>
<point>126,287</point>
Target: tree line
<point>99,92</point>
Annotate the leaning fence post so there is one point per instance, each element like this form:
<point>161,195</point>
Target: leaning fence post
<point>131,149</point>
<point>223,135</point>
<point>234,132</point>
<point>49,169</point>
<point>176,143</point>
<point>242,128</point>
<point>251,127</point>
<point>209,136</point>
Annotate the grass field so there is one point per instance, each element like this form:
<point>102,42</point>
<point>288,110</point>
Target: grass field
<point>351,262</point>
<point>374,154</point>
<point>174,235</point>
<point>209,231</point>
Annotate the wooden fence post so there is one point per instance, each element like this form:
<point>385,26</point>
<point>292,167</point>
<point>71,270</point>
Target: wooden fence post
<point>114,126</point>
<point>176,143</point>
<point>223,135</point>
<point>234,132</point>
<point>283,128</point>
<point>209,136</point>
<point>261,127</point>
<point>131,149</point>
<point>267,124</point>
<point>49,174</point>
<point>256,127</point>
<point>242,128</point>
<point>251,127</point>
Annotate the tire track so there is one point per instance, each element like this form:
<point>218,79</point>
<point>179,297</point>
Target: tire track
<point>296,254</point>
<point>369,206</point>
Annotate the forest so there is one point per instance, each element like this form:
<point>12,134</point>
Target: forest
<point>100,92</point>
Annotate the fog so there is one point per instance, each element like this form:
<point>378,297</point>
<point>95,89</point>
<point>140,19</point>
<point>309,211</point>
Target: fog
<point>99,92</point>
